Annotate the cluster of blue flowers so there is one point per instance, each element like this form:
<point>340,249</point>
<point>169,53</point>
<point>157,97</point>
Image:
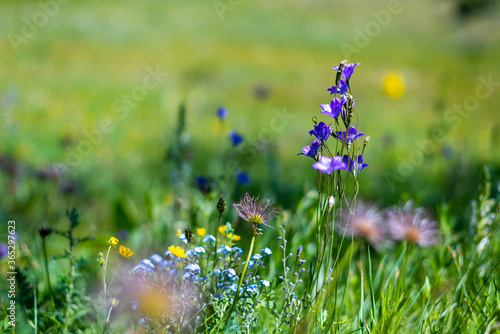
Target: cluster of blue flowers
<point>338,108</point>
<point>196,274</point>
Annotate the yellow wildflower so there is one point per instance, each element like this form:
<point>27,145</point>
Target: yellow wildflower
<point>177,251</point>
<point>222,229</point>
<point>393,84</point>
<point>201,231</point>
<point>179,232</point>
<point>235,237</point>
<point>126,251</point>
<point>113,241</point>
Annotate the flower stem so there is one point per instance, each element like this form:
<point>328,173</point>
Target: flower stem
<point>47,272</point>
<point>236,297</point>
<point>104,276</point>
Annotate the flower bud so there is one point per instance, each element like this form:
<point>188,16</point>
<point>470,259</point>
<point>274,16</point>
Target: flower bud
<point>331,202</point>
<point>315,120</point>
<point>299,250</point>
<point>44,231</point>
<point>189,235</point>
<point>221,205</point>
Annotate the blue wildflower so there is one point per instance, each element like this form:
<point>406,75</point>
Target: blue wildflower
<point>328,165</point>
<point>265,282</point>
<point>353,165</point>
<point>311,151</point>
<point>209,238</point>
<point>183,238</point>
<point>321,131</point>
<point>257,256</point>
<point>250,263</point>
<point>222,112</point>
<point>224,248</point>
<point>351,135</point>
<point>236,138</point>
<point>334,108</point>
<point>252,288</point>
<point>199,250</point>
<point>230,273</point>
<point>156,258</point>
<point>242,178</point>
<point>217,271</point>
<point>233,287</point>
<point>193,267</point>
<point>237,249</point>
<point>347,70</point>
<point>341,88</point>
<point>267,251</point>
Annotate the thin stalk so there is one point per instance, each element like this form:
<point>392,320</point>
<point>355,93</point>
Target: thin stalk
<point>47,271</point>
<point>104,277</point>
<point>240,283</point>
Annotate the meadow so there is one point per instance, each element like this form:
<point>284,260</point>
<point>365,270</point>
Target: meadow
<point>145,148</point>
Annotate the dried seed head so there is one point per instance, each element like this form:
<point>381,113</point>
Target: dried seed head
<point>221,205</point>
<point>189,235</point>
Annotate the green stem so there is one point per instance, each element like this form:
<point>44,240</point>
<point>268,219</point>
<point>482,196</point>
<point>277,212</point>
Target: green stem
<point>228,315</point>
<point>47,272</point>
<point>104,277</point>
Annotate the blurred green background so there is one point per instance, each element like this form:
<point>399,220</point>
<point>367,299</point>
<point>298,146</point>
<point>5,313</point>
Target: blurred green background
<point>63,65</point>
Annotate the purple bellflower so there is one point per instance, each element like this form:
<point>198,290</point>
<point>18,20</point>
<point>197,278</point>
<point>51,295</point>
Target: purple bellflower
<point>321,131</point>
<point>311,151</point>
<point>341,88</point>
<point>328,165</point>
<point>334,108</point>
<point>354,165</point>
<point>347,71</point>
<point>351,135</point>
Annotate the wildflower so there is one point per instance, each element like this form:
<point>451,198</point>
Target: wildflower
<point>183,238</point>
<point>224,248</point>
<point>366,223</point>
<point>209,238</point>
<point>237,249</point>
<point>255,211</point>
<point>222,112</point>
<point>179,232</point>
<point>201,231</point>
<point>354,165</point>
<point>156,258</point>
<point>100,259</point>
<point>199,250</point>
<point>235,237</point>
<point>113,241</point>
<point>177,251</point>
<point>223,229</point>
<point>250,263</point>
<point>204,184</point>
<point>347,70</point>
<point>126,252</point>
<point>328,165</point>
<point>252,288</point>
<point>267,251</point>
<point>351,135</point>
<point>230,273</point>
<point>321,131</point>
<point>242,178</point>
<point>340,89</point>
<point>334,108</point>
<point>393,84</point>
<point>412,225</point>
<point>311,151</point>
<point>257,256</point>
<point>236,138</point>
<point>265,282</point>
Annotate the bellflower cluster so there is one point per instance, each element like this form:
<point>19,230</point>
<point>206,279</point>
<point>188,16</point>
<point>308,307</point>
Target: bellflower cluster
<point>341,110</point>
